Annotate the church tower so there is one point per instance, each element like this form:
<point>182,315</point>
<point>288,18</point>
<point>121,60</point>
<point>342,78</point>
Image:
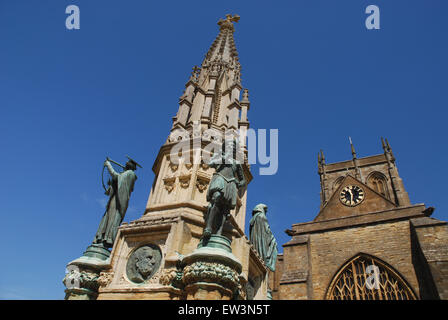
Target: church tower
<point>378,172</point>
<point>213,106</point>
<point>367,242</point>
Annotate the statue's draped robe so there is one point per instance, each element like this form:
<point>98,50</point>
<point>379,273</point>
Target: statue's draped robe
<point>121,188</point>
<point>263,240</point>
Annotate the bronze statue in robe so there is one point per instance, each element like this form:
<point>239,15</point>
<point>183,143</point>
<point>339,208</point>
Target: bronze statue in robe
<point>226,183</point>
<point>261,236</point>
<point>120,188</point>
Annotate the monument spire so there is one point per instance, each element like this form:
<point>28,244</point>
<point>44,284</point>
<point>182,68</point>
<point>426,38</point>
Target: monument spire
<point>212,93</point>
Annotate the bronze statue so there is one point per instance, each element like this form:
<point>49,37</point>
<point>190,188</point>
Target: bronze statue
<point>222,193</point>
<point>120,188</point>
<point>261,236</point>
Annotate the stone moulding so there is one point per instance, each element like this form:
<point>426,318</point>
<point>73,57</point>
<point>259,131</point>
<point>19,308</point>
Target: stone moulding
<point>211,272</point>
<point>212,268</point>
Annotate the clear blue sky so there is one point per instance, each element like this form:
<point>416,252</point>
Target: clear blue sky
<point>68,99</point>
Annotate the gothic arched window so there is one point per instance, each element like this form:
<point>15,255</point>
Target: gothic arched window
<point>367,278</point>
<point>377,181</point>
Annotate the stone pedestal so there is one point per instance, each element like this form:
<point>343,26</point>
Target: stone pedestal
<point>83,278</point>
<point>211,272</point>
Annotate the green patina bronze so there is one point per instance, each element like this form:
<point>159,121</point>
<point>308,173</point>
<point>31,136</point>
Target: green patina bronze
<point>119,191</point>
<point>143,263</point>
<point>261,236</point>
<point>222,193</point>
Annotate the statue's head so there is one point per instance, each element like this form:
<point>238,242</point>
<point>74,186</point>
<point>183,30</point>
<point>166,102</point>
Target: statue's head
<point>131,165</point>
<point>261,207</point>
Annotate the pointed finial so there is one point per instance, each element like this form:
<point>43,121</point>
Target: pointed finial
<point>319,159</point>
<point>245,96</point>
<point>228,22</point>
<point>383,144</point>
<point>195,74</point>
<point>322,157</point>
<point>388,145</point>
<point>390,149</point>
<point>352,147</point>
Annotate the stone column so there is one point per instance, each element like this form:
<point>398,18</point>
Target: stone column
<point>212,272</point>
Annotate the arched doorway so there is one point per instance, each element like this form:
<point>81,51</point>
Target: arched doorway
<point>367,278</point>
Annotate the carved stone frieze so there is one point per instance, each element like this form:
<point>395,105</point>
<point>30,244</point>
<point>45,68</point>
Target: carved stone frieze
<point>211,272</point>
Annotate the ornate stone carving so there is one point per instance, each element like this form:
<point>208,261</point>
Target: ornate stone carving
<point>204,166</point>
<point>81,279</point>
<point>143,263</point>
<point>167,276</point>
<point>201,184</point>
<point>169,183</point>
<point>212,272</point>
<point>105,278</point>
<point>173,166</point>
<point>185,181</point>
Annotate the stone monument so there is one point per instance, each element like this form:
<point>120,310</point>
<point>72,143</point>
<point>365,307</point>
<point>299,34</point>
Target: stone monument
<point>190,241</point>
<point>212,272</point>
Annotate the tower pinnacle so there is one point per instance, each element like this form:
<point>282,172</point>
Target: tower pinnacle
<point>212,93</point>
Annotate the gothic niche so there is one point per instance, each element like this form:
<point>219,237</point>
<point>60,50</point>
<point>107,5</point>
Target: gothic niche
<point>143,263</point>
<point>377,181</point>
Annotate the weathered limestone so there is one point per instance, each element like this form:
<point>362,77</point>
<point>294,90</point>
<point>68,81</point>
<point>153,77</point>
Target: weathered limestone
<point>154,257</point>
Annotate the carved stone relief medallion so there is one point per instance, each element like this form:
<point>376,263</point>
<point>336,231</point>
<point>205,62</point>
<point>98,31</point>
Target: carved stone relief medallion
<point>143,263</point>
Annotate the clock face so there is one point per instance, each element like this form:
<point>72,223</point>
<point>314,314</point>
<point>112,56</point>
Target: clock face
<point>351,196</point>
